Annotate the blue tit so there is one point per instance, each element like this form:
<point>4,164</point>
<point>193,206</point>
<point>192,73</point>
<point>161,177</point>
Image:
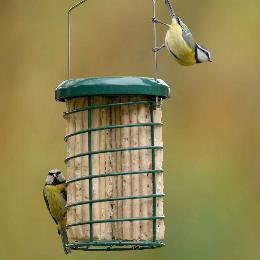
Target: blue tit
<point>180,42</point>
<point>55,196</point>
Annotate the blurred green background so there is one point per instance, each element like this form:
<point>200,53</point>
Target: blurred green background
<point>211,131</point>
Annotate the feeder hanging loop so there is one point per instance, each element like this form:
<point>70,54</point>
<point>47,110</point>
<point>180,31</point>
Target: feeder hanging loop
<point>69,38</point>
<point>69,35</point>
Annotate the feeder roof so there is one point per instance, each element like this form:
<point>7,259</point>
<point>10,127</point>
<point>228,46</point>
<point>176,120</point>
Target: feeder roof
<point>111,86</point>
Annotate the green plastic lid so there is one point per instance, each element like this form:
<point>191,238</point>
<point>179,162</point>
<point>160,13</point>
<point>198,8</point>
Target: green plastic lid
<point>111,86</point>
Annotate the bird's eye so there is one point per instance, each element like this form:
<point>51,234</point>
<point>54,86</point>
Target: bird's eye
<point>58,173</point>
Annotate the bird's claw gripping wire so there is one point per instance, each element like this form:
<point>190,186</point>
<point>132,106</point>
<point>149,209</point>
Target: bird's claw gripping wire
<point>156,49</point>
<point>154,20</point>
<point>157,21</point>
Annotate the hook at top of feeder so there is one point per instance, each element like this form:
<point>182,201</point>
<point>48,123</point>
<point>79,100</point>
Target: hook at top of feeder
<point>76,5</point>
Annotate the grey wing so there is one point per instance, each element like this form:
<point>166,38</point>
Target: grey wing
<point>48,207</point>
<point>187,36</point>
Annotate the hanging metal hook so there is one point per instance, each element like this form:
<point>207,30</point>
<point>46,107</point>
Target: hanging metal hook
<point>69,38</point>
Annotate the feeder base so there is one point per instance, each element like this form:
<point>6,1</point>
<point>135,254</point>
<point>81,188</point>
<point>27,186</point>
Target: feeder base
<point>119,245</point>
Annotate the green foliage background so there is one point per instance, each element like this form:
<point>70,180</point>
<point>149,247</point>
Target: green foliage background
<point>211,130</point>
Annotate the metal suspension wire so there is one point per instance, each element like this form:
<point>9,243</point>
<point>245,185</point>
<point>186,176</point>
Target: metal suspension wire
<point>69,38</point>
<point>69,35</point>
<point>155,43</point>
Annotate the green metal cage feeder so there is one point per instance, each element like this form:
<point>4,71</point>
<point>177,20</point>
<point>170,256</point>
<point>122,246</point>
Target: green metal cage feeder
<point>114,161</point>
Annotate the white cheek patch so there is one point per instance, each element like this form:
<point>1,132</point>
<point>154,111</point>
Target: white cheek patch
<point>202,56</point>
<point>61,178</point>
<point>49,179</point>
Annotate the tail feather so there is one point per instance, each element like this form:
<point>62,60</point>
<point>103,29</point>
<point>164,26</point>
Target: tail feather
<point>65,241</point>
<point>169,6</point>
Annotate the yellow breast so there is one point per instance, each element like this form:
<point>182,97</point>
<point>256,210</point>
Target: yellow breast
<point>56,203</point>
<point>176,45</point>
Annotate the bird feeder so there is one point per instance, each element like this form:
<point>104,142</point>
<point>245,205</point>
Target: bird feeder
<point>114,161</point>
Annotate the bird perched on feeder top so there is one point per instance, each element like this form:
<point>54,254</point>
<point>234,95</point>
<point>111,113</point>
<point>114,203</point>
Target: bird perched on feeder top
<point>55,196</point>
<point>180,42</point>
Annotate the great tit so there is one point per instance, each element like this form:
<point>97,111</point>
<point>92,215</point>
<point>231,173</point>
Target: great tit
<point>180,43</point>
<point>55,196</point>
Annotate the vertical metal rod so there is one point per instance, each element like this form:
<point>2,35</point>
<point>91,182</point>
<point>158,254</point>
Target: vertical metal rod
<point>90,169</point>
<point>152,107</point>
<point>155,43</point>
<point>68,46</point>
<point>69,35</point>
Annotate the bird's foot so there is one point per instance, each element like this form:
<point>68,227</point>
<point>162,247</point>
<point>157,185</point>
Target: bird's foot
<point>156,49</point>
<point>155,20</point>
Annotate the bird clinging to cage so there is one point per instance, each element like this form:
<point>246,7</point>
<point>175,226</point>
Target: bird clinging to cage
<point>180,42</point>
<point>55,196</point>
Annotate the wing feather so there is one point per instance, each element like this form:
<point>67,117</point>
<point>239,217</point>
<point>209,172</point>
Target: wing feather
<point>187,36</point>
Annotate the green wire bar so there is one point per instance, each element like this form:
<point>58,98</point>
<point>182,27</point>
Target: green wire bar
<point>112,174</point>
<point>113,151</point>
<point>153,168</point>
<point>65,114</point>
<point>116,198</point>
<point>146,89</point>
<point>90,171</point>
<point>109,127</point>
<point>113,220</point>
